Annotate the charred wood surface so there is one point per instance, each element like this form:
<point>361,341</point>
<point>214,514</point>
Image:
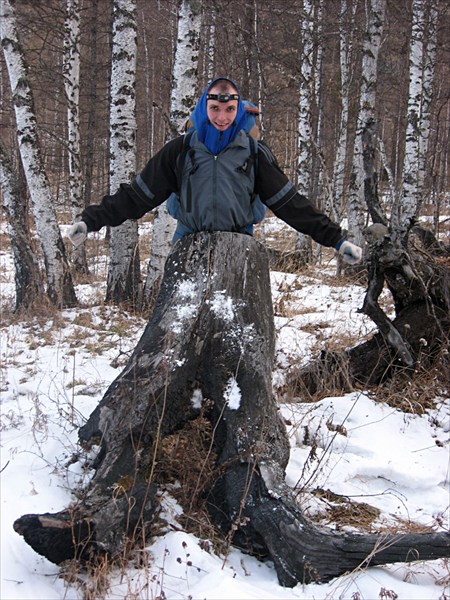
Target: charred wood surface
<point>416,272</point>
<point>209,341</point>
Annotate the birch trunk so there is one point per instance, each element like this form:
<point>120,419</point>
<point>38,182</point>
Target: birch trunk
<point>259,68</point>
<point>421,72</point>
<point>363,175</point>
<point>91,102</point>
<point>208,65</point>
<point>124,268</point>
<point>71,70</point>
<point>60,288</point>
<point>429,65</point>
<point>28,281</point>
<point>303,243</point>
<point>346,25</point>
<point>305,130</point>
<point>182,101</point>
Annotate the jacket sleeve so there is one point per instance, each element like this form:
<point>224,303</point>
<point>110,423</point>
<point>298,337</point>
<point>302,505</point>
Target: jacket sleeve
<point>280,195</point>
<point>150,188</point>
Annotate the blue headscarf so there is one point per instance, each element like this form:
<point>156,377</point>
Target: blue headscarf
<point>214,139</point>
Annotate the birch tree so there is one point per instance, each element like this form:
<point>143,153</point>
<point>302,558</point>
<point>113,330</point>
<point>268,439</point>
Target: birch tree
<point>305,120</point>
<point>60,288</point>
<point>93,100</point>
<point>259,67</point>
<point>124,267</point>
<point>346,25</point>
<point>28,280</point>
<point>208,65</point>
<point>421,76</point>
<point>182,101</point>
<point>363,177</point>
<point>71,70</point>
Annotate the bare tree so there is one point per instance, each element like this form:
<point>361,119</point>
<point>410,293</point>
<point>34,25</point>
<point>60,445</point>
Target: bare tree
<point>346,26</point>
<point>124,267</point>
<point>210,38</point>
<point>28,279</point>
<point>421,75</point>
<point>363,176</point>
<point>183,95</point>
<point>306,137</point>
<point>90,138</point>
<point>71,69</point>
<point>59,281</point>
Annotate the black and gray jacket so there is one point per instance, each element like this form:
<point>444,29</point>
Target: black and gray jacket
<point>216,192</point>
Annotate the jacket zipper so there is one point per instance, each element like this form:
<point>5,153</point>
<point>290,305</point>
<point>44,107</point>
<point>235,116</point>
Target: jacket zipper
<point>189,184</point>
<point>215,190</point>
<point>189,196</point>
<point>215,183</point>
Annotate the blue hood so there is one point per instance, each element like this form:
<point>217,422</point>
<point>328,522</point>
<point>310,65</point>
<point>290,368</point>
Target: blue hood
<point>214,139</point>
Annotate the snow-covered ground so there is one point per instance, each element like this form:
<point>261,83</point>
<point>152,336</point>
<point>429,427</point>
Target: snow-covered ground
<point>54,372</point>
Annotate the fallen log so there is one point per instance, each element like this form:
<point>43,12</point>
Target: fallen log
<point>209,346</point>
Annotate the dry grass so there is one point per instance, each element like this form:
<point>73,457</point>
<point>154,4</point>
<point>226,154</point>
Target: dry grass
<point>186,464</point>
<point>342,512</point>
<point>327,376</point>
<point>416,394</point>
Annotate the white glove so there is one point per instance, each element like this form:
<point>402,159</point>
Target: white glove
<point>350,253</point>
<point>78,233</point>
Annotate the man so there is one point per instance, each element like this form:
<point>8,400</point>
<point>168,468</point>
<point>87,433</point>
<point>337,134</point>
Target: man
<point>217,183</point>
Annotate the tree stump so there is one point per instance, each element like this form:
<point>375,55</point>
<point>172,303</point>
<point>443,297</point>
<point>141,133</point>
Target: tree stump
<point>416,271</point>
<point>209,341</point>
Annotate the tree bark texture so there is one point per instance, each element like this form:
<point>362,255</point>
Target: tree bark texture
<point>123,284</point>
<point>60,287</point>
<point>28,278</point>
<point>210,338</point>
<point>415,269</point>
<point>71,74</point>
<point>366,119</point>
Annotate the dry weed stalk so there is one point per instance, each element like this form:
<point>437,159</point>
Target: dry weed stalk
<point>414,395</point>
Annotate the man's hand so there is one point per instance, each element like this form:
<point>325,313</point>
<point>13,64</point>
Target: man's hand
<point>78,233</point>
<point>350,252</point>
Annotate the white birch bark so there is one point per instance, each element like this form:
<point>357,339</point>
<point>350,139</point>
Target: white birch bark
<point>346,23</point>
<point>429,65</point>
<point>356,208</point>
<point>182,101</point>
<point>210,44</point>
<point>305,130</point>
<point>421,75</point>
<point>28,280</point>
<point>59,281</point>
<point>124,268</point>
<point>71,71</point>
<point>259,68</point>
<point>318,171</point>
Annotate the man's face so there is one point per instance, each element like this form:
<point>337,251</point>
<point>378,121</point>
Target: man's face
<point>221,114</point>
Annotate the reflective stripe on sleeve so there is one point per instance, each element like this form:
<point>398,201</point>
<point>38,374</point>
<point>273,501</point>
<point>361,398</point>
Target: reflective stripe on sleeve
<point>139,185</point>
<point>282,197</point>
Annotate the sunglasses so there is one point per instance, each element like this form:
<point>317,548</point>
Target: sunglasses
<point>222,97</point>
